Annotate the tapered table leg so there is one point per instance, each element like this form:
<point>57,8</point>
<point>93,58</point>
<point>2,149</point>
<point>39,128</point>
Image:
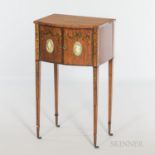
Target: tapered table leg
<point>95,99</point>
<point>56,79</point>
<point>110,96</point>
<point>38,72</point>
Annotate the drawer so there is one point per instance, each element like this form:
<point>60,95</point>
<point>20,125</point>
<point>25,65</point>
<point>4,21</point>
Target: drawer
<point>78,46</point>
<point>50,44</point>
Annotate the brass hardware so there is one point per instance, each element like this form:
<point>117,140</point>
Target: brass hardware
<point>77,48</point>
<point>49,46</point>
<point>63,47</point>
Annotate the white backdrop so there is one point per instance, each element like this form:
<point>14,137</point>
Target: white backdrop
<point>133,113</point>
<point>134,41</point>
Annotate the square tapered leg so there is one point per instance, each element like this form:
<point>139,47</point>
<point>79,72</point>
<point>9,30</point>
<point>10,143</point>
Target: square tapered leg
<point>56,80</point>
<point>95,99</point>
<point>110,97</point>
<point>38,70</point>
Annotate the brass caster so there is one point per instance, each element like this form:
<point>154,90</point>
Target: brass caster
<point>96,146</point>
<point>39,137</point>
<point>110,134</point>
<point>57,125</point>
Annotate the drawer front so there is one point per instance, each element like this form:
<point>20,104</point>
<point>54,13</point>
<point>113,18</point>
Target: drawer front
<point>78,46</point>
<point>50,44</point>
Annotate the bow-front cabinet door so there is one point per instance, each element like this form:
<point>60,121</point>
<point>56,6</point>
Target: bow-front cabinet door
<point>50,44</point>
<point>78,47</point>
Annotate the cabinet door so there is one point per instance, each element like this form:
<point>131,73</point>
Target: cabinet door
<point>78,46</point>
<point>50,44</point>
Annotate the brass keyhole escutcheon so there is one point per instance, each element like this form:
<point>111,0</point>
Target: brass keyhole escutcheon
<point>77,48</point>
<point>49,46</point>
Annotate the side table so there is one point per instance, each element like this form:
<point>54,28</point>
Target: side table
<point>74,40</point>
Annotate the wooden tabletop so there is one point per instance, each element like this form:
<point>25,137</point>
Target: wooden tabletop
<point>61,20</point>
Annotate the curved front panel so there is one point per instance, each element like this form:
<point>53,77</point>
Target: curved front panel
<point>50,44</point>
<point>78,47</point>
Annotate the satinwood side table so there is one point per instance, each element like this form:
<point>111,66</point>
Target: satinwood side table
<point>74,40</point>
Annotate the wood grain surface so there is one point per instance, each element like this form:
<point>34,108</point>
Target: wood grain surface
<point>60,20</point>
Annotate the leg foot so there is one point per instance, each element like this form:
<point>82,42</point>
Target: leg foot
<point>110,134</point>
<point>96,146</point>
<point>38,136</point>
<point>109,129</point>
<point>57,125</point>
<point>56,121</point>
